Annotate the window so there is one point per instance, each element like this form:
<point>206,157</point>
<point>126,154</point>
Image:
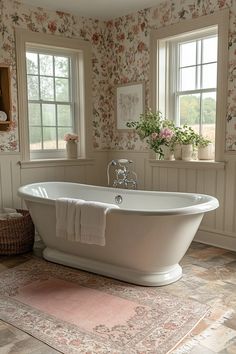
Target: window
<point>193,64</point>
<point>189,75</point>
<point>51,98</point>
<point>54,97</point>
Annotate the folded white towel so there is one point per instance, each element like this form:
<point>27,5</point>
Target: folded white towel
<point>93,222</point>
<point>70,219</point>
<point>61,217</point>
<point>77,221</point>
<point>67,218</point>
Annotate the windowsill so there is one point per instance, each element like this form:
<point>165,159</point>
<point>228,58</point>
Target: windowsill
<point>55,162</point>
<point>203,164</point>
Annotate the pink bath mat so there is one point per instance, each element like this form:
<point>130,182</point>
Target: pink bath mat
<point>78,312</point>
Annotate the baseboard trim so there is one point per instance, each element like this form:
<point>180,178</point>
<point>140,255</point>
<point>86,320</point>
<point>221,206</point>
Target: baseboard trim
<point>216,239</point>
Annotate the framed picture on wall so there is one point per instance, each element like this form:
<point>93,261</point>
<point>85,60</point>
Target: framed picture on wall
<point>129,104</point>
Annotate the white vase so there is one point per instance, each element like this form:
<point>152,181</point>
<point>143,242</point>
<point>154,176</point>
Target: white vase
<point>71,149</point>
<point>187,152</point>
<point>178,151</point>
<point>206,152</point>
<point>167,153</point>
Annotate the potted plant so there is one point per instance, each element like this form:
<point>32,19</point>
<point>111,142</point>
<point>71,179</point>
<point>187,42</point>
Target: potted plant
<point>177,143</point>
<point>157,131</point>
<point>205,148</point>
<point>189,138</point>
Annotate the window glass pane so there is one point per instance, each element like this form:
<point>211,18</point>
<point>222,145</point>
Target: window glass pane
<point>64,115</point>
<point>187,79</point>
<point>34,114</point>
<point>188,54</point>
<point>46,88</point>
<point>189,110</point>
<point>46,64</point>
<point>209,75</point>
<point>49,114</point>
<point>61,134</point>
<point>209,115</point>
<point>49,138</point>
<point>35,134</point>
<point>62,90</point>
<point>32,63</point>
<point>209,50</point>
<point>33,87</point>
<point>61,66</point>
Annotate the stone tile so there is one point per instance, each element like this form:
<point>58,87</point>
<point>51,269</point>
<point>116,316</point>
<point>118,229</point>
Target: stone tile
<point>231,349</point>
<point>219,339</point>
<point>199,349</point>
<point>6,337</point>
<point>207,253</point>
<point>231,323</point>
<point>26,346</point>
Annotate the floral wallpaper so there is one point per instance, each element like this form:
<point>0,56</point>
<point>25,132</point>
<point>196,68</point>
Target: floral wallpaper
<point>14,14</point>
<point>121,54</point>
<point>128,42</point>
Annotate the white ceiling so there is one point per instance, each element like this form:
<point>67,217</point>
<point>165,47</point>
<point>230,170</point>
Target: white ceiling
<point>100,9</point>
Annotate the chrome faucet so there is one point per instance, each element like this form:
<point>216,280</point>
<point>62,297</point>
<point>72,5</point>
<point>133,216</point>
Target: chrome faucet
<point>124,178</point>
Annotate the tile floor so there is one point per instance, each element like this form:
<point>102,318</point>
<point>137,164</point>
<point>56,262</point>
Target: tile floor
<point>209,276</point>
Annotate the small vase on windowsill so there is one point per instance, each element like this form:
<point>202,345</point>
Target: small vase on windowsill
<point>71,145</point>
<point>71,149</point>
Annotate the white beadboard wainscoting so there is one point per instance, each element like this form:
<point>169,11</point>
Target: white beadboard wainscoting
<point>14,173</point>
<point>218,179</point>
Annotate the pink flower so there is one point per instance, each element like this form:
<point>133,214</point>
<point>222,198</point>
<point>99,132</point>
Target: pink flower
<point>52,26</point>
<point>166,134</point>
<point>71,137</point>
<point>154,136</point>
<point>95,38</point>
<point>141,47</point>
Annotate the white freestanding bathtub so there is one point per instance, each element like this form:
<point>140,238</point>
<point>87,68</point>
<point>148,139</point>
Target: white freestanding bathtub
<point>145,238</point>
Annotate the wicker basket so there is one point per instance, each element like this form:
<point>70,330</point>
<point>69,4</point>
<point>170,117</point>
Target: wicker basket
<point>17,235</point>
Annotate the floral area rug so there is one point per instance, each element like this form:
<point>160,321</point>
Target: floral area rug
<point>77,312</point>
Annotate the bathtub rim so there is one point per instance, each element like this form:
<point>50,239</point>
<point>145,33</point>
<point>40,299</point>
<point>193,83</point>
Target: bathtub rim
<point>211,202</point>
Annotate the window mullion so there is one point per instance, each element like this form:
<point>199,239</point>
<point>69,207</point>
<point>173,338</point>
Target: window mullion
<point>40,102</point>
<point>191,92</point>
<point>54,95</point>
<point>177,83</point>
<point>196,67</point>
<point>201,113</point>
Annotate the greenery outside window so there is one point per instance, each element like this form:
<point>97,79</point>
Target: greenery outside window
<point>51,99</point>
<point>193,85</point>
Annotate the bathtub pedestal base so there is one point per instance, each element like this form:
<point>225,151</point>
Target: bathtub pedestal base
<point>162,277</point>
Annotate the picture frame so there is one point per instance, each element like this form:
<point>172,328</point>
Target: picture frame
<point>129,104</point>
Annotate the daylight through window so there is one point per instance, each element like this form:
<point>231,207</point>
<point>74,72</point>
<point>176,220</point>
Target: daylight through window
<point>195,83</point>
<point>50,98</point>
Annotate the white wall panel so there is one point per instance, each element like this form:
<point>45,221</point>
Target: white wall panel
<point>9,180</point>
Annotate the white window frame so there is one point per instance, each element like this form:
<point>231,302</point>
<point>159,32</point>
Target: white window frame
<point>160,86</point>
<point>174,93</point>
<point>82,106</point>
<point>39,154</point>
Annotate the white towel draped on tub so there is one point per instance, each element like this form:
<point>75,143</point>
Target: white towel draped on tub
<point>93,222</point>
<point>83,221</point>
<point>67,217</point>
